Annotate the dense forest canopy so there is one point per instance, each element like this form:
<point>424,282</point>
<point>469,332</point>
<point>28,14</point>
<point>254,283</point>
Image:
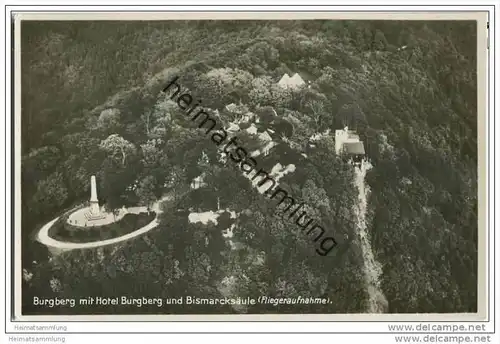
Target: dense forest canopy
<point>92,104</point>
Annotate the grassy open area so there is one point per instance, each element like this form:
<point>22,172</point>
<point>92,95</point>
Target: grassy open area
<point>63,231</point>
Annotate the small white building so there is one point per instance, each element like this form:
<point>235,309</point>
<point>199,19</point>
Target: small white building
<point>348,141</point>
<point>237,109</point>
<point>284,80</point>
<point>265,137</point>
<point>247,117</point>
<point>319,136</point>
<point>198,182</point>
<point>233,128</point>
<point>204,160</point>
<point>295,81</point>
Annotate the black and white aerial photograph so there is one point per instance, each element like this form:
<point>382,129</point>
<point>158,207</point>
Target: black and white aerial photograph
<point>238,167</point>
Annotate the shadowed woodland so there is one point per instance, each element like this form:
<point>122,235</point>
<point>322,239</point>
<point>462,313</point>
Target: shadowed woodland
<point>92,104</point>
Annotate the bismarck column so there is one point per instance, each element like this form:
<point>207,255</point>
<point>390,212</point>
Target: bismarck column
<point>94,203</point>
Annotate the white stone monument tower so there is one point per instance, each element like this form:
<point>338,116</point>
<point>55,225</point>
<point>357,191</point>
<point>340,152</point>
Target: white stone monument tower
<point>94,203</point>
<point>94,211</point>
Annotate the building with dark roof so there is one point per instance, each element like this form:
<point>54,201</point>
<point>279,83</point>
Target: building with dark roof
<point>348,144</point>
<point>354,148</point>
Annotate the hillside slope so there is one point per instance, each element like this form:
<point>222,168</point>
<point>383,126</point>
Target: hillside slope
<point>415,108</point>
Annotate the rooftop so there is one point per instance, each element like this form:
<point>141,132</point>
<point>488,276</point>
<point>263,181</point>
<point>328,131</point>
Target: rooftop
<point>354,148</point>
<point>291,81</point>
<point>306,76</point>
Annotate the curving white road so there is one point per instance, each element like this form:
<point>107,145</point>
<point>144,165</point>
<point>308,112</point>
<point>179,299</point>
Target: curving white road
<point>44,238</point>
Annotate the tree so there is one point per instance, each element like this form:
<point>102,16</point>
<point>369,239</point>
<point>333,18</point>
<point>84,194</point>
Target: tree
<point>177,181</point>
<point>51,193</point>
<point>264,54</point>
<point>260,93</point>
<point>283,127</point>
<point>146,191</point>
<point>281,97</point>
<point>316,110</point>
<point>109,120</point>
<point>147,119</point>
<point>218,85</point>
<point>379,41</point>
<point>151,153</point>
<point>158,121</point>
<point>267,114</point>
<point>40,162</point>
<point>114,180</point>
<point>117,147</point>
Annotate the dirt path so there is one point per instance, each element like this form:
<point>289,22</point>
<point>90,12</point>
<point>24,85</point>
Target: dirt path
<point>372,268</point>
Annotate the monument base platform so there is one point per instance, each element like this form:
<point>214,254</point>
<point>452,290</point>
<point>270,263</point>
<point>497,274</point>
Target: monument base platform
<point>85,218</point>
<point>92,217</point>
